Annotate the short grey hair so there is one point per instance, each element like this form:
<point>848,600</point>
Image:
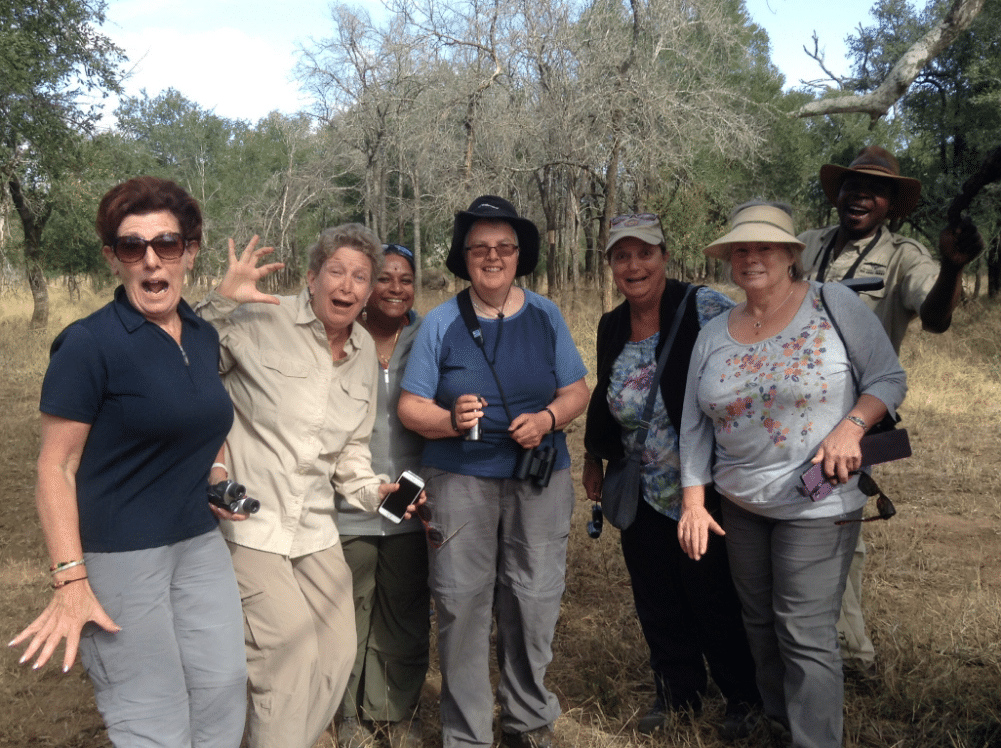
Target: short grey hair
<point>352,236</point>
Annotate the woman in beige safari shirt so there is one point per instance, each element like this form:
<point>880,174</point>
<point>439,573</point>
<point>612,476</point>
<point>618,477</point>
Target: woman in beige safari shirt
<point>303,379</point>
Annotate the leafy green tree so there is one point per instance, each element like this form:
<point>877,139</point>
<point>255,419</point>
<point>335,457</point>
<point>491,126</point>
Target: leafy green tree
<point>56,69</point>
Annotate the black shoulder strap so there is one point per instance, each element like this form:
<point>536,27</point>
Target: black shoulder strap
<point>465,302</point>
<point>855,265</point>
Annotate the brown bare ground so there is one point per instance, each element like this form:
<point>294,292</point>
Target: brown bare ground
<point>933,577</point>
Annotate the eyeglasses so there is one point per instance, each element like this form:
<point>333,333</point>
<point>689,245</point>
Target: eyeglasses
<point>436,538</point>
<point>480,251</point>
<point>131,249</point>
<point>883,504</point>
<point>635,220</point>
<point>399,249</point>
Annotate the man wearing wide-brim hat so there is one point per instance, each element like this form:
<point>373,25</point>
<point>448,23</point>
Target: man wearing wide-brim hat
<point>868,193</point>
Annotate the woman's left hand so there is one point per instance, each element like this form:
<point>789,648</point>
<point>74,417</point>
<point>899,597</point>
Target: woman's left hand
<point>222,513</point>
<point>529,428</point>
<point>840,452</point>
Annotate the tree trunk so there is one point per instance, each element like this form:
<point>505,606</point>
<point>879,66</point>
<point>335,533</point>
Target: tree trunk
<point>33,219</point>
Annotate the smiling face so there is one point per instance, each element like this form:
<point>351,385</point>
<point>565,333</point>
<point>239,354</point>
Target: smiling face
<point>863,204</point>
<point>393,295</point>
<point>152,285</point>
<point>492,275</point>
<point>757,266</point>
<point>340,289</point>
<point>639,269</point>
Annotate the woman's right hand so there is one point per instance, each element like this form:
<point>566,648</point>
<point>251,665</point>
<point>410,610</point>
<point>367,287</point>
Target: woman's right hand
<point>70,609</point>
<point>466,411</point>
<point>696,523</point>
<point>240,282</point>
<point>593,478</point>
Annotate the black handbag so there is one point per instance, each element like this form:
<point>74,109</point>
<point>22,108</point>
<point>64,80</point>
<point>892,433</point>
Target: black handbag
<point>620,489</point>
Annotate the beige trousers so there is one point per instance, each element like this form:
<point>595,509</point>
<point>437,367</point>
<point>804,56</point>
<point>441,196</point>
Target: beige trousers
<point>299,630</point>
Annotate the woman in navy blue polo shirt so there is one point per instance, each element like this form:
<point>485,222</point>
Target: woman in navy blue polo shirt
<point>133,414</point>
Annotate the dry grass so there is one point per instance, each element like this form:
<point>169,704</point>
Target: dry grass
<point>933,577</point>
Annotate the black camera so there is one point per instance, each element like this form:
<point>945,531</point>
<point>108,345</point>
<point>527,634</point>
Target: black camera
<point>596,523</point>
<point>233,496</point>
<point>536,464</point>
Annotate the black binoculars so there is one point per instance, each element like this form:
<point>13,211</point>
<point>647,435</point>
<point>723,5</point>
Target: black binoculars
<point>596,523</point>
<point>536,464</point>
<point>233,496</point>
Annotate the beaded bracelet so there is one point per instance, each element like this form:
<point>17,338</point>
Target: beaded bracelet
<point>64,565</point>
<point>60,585</point>
<point>553,416</point>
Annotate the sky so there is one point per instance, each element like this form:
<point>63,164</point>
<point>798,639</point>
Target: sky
<point>237,57</point>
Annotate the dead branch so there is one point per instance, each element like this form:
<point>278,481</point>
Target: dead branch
<point>877,103</point>
<point>989,171</point>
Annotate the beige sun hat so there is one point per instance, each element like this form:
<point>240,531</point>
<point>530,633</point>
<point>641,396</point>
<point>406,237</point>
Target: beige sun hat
<point>758,222</point>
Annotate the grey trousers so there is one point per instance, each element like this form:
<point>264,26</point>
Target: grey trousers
<point>855,643</point>
<point>790,576</point>
<point>300,638</point>
<point>392,605</point>
<point>175,676</point>
<point>508,560</point>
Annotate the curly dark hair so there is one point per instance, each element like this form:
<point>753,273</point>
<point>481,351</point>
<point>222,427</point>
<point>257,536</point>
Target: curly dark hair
<point>142,195</point>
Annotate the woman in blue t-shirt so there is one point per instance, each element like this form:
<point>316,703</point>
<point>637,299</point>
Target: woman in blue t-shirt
<point>502,542</point>
<point>133,414</point>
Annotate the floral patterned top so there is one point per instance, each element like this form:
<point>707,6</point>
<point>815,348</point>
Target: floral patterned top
<point>766,406</point>
<point>632,377</point>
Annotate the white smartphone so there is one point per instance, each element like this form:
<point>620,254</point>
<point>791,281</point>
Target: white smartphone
<point>394,506</point>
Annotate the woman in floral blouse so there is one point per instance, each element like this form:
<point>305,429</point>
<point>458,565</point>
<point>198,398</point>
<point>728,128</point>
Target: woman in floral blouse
<point>771,392</point>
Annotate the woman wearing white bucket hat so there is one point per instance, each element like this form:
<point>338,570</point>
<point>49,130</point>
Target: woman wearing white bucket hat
<point>770,391</point>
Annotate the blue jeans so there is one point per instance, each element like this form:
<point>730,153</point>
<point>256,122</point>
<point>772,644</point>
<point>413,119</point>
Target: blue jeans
<point>175,676</point>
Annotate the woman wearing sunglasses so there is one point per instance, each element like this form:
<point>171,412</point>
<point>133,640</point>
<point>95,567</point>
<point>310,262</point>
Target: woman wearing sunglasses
<point>303,375</point>
<point>482,408</point>
<point>389,561</point>
<point>771,392</point>
<point>133,414</point>
<point>688,610</point>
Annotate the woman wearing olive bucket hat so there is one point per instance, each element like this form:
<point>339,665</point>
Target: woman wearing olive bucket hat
<point>498,360</point>
<point>769,393</point>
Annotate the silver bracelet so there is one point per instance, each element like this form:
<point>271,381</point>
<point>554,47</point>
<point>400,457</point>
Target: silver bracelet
<point>220,465</point>
<point>858,422</point>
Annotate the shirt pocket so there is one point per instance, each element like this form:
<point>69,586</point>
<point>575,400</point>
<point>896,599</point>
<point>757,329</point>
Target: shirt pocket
<point>353,404</point>
<point>281,386</point>
<point>872,270</point>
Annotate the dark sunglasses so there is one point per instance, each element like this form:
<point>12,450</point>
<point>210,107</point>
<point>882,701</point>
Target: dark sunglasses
<point>435,536</point>
<point>883,504</point>
<point>129,249</point>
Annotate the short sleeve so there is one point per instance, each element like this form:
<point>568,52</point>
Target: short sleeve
<point>74,383</point>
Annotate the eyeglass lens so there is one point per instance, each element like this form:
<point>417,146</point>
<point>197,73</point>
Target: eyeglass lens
<point>884,506</point>
<point>131,249</point>
<point>480,251</point>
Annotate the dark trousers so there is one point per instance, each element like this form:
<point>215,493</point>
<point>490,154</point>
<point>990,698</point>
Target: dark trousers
<point>687,609</point>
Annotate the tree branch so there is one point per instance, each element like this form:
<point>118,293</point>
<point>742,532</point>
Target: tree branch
<point>877,103</point>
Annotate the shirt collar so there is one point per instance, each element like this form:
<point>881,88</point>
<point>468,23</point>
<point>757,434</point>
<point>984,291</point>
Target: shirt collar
<point>132,319</point>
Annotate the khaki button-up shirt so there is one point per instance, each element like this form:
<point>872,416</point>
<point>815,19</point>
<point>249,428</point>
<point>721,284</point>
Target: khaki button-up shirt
<point>303,421</point>
<point>906,267</point>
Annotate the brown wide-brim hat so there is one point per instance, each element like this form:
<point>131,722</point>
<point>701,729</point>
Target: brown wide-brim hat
<point>765,224</point>
<point>493,208</point>
<point>877,162</point>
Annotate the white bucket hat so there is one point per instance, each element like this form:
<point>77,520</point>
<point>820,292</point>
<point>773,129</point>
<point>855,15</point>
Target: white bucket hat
<point>762,223</point>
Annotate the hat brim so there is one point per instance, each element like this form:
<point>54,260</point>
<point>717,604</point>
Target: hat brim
<point>908,189</point>
<point>750,234</point>
<point>524,229</point>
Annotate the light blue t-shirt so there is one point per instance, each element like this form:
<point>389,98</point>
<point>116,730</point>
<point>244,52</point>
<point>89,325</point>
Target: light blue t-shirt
<point>533,354</point>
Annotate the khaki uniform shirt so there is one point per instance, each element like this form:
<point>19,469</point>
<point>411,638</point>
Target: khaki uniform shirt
<point>302,424</point>
<point>906,267</point>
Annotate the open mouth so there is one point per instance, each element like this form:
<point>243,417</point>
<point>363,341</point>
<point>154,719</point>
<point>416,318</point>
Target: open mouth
<point>155,287</point>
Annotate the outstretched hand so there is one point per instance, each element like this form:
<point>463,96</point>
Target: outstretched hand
<point>70,609</point>
<point>961,243</point>
<point>240,282</point>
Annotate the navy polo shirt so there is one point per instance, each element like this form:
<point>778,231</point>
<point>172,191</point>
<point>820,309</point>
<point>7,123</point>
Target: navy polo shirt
<point>158,416</point>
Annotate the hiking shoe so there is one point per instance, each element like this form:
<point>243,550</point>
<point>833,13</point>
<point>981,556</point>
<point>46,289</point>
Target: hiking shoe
<point>739,721</point>
<point>653,720</point>
<point>351,733</point>
<point>540,737</point>
<point>406,733</point>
